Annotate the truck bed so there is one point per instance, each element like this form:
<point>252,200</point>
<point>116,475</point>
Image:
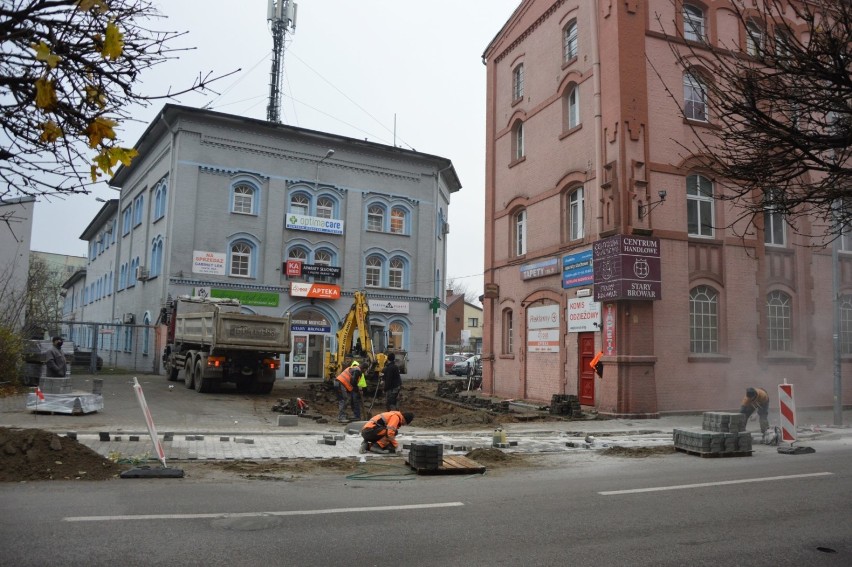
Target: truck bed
<point>228,330</point>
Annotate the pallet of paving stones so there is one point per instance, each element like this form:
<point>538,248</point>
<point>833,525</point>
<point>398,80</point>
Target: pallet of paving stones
<point>712,443</point>
<point>707,455</point>
<point>451,464</point>
<point>565,404</point>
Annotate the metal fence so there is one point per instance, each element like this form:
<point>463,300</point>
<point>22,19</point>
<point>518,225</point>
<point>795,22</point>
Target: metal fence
<point>101,346</point>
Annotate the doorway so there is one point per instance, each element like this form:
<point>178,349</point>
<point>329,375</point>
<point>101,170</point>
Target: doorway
<point>585,354</point>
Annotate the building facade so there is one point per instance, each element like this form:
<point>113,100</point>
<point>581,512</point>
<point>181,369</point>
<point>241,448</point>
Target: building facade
<point>285,220</point>
<point>588,115</point>
<point>464,324</point>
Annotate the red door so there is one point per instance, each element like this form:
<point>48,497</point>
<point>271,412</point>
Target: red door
<point>586,387</point>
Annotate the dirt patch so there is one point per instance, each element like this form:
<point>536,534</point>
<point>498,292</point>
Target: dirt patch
<point>617,451</point>
<point>35,454</point>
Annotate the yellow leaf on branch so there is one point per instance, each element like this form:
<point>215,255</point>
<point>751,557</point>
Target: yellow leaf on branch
<point>123,155</point>
<point>99,129</point>
<point>43,53</point>
<point>86,5</point>
<point>50,131</point>
<point>45,94</point>
<point>114,42</point>
<point>109,158</point>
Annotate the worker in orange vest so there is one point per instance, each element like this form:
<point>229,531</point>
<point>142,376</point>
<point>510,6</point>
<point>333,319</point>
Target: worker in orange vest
<point>756,399</point>
<point>347,383</point>
<point>597,365</point>
<point>380,432</point>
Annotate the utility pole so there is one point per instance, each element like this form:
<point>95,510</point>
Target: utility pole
<point>835,290</point>
<point>282,17</point>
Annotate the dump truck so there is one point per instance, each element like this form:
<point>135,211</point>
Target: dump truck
<point>210,342</point>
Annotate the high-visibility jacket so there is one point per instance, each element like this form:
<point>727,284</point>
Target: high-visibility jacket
<point>596,364</point>
<point>761,399</point>
<point>390,421</point>
<point>345,378</point>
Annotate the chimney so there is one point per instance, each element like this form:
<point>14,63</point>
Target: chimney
<point>449,292</point>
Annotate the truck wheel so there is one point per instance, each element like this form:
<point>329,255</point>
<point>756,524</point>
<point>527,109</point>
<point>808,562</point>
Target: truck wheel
<point>187,375</point>
<point>171,371</point>
<point>201,385</point>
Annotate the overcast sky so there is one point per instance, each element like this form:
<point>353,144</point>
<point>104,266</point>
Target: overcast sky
<point>349,67</point>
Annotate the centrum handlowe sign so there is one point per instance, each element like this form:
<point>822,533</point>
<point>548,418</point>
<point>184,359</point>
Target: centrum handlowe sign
<point>627,268</point>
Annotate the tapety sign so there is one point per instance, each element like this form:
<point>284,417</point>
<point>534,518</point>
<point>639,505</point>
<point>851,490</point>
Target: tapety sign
<point>627,268</point>
<point>540,269</point>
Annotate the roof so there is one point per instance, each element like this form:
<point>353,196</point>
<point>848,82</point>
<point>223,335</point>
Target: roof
<point>105,214</point>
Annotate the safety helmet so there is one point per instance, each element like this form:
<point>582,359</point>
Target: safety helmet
<point>354,364</point>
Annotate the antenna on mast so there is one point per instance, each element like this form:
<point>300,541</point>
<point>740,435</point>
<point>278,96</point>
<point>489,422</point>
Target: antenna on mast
<point>282,15</point>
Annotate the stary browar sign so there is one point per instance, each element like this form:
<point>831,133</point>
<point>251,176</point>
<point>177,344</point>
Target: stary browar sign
<point>627,267</point>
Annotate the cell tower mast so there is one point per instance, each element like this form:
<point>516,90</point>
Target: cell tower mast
<point>282,17</point>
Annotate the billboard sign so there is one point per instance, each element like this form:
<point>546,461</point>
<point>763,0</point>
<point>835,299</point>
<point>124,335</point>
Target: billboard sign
<point>577,269</point>
<point>314,290</point>
<point>584,315</point>
<point>627,268</point>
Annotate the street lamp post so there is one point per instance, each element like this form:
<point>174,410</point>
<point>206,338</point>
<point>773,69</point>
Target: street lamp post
<point>835,289</point>
<point>328,154</point>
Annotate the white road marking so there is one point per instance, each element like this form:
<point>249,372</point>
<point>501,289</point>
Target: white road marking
<point>258,514</point>
<point>706,484</point>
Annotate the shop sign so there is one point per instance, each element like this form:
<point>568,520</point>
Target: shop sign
<point>314,224</point>
<point>627,268</point>
<point>254,298</point>
<point>540,269</point>
<point>382,306</point>
<point>210,263</point>
<point>609,329</point>
<point>577,269</point>
<point>543,340</point>
<point>310,329</point>
<point>315,290</point>
<point>544,317</point>
<point>297,268</point>
<point>584,315</point>
<point>492,291</point>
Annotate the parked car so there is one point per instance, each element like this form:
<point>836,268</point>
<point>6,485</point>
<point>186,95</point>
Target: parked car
<point>450,360</point>
<point>460,368</point>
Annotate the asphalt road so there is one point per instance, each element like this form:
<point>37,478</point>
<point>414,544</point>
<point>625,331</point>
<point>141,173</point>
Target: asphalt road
<point>672,510</point>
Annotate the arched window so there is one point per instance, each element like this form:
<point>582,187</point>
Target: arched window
<point>699,205</point>
<point>694,98</point>
<point>376,218</point>
<point>518,82</point>
<point>520,232</point>
<point>323,258</point>
<point>160,194</point>
<point>693,23</point>
<point>575,215</point>
<point>574,107</point>
<point>569,41</point>
<point>243,199</point>
<point>300,204</point>
<point>156,257</point>
<point>703,320</point>
<point>241,256</point>
<point>131,275</point>
<point>508,342</point>
<point>374,271</point>
<point>325,207</point>
<point>779,320</point>
<point>518,141</point>
<point>774,224</point>
<point>298,253</point>
<point>397,220</point>
<point>122,276</point>
<point>396,273</point>
<point>754,39</point>
<point>396,335</point>
<point>146,333</point>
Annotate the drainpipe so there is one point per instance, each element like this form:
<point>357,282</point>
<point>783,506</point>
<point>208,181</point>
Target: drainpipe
<point>597,209</point>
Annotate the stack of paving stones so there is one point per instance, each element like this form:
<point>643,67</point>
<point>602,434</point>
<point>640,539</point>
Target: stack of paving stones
<point>565,404</point>
<point>428,456</point>
<point>50,385</point>
<point>722,433</point>
<point>501,407</point>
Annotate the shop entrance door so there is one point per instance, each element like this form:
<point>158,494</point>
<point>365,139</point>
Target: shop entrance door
<point>585,354</point>
<point>299,356</point>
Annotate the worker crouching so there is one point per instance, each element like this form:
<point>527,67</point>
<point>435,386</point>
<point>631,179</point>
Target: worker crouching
<point>380,432</point>
<point>756,399</point>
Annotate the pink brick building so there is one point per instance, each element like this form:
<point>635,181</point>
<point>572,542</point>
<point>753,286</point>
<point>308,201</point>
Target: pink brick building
<point>581,139</point>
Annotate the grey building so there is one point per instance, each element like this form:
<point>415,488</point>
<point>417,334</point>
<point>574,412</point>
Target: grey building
<point>282,218</point>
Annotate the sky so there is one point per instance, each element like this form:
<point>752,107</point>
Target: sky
<point>351,68</point>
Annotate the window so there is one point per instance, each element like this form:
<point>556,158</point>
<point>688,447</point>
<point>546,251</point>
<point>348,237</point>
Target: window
<point>374,271</point>
<point>846,324</point>
<point>703,320</point>
<point>779,322</point>
<point>126,221</point>
<point>300,204</point>
<point>508,339</point>
<point>773,223</point>
<point>569,41</point>
<point>693,23</point>
<point>575,215</point>
<point>128,338</point>
<point>518,141</point>
<point>323,258</point>
<point>122,277</point>
<point>754,39</point>
<point>397,220</point>
<point>396,336</point>
<point>694,98</point>
<point>574,108</point>
<point>325,207</point>
<point>846,238</point>
<point>243,199</point>
<point>520,232</point>
<point>156,257</point>
<point>472,321</point>
<point>518,83</point>
<point>396,272</point>
<point>160,194</point>
<point>146,337</point>
<point>298,254</point>
<point>241,253</point>
<point>699,206</point>
<point>376,218</point>
<point>131,275</point>
<point>137,210</point>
